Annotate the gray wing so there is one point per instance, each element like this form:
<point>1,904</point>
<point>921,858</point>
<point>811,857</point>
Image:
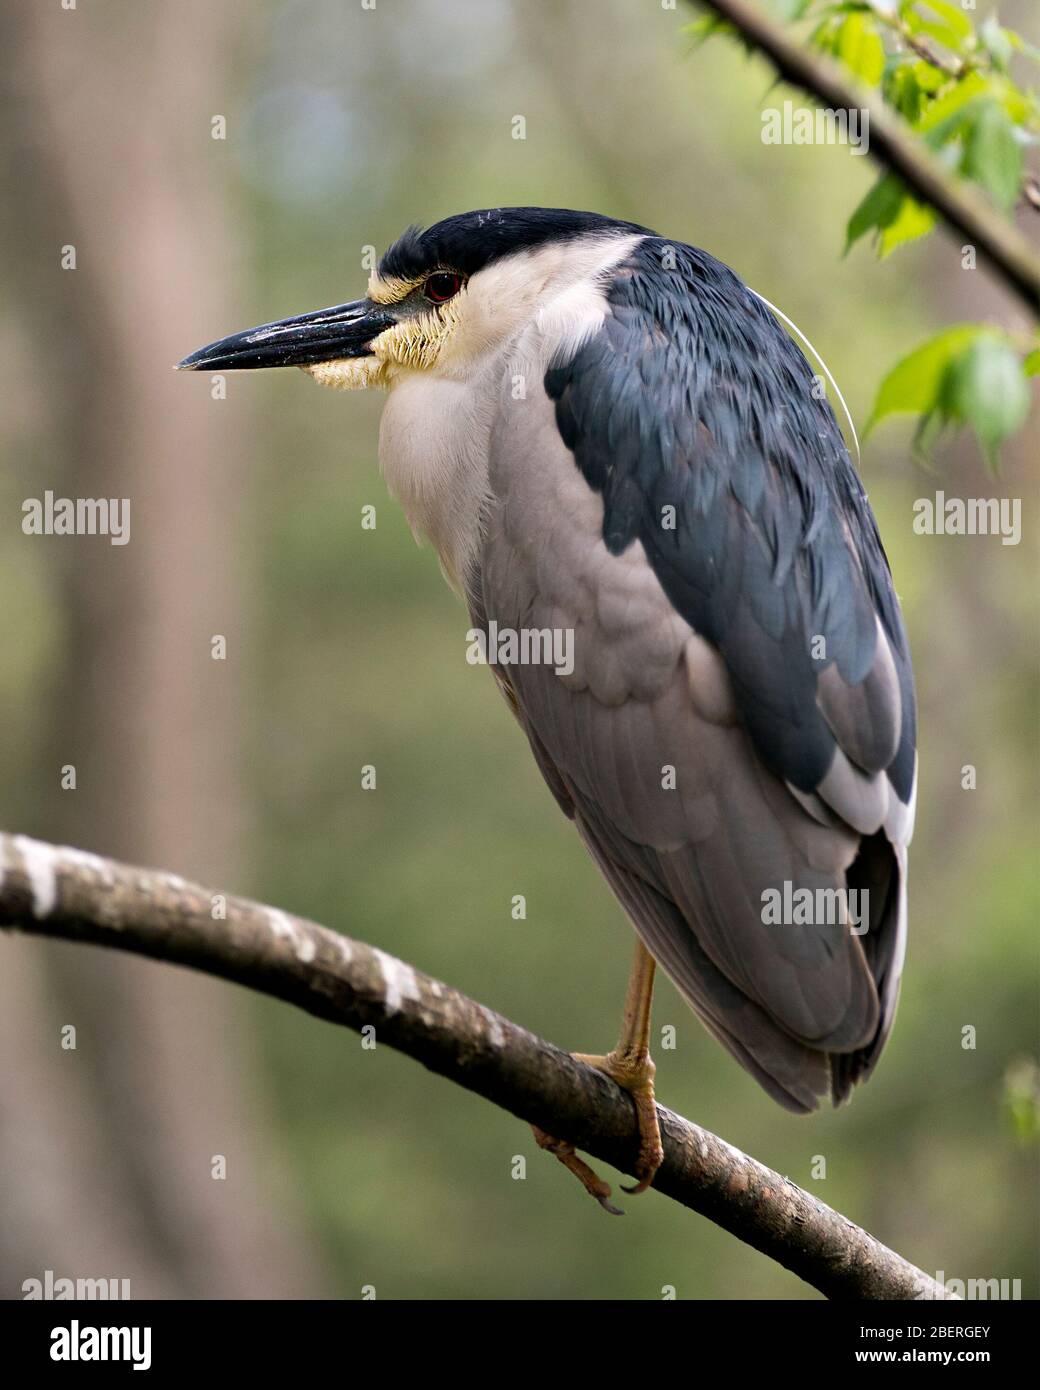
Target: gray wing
<point>805,1009</point>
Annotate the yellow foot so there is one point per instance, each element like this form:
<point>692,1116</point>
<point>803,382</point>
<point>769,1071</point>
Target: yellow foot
<point>634,1074</point>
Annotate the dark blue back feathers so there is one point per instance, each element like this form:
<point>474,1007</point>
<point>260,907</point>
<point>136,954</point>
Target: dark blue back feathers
<point>693,397</point>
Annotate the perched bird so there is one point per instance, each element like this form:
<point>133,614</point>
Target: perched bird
<point>607,435</point>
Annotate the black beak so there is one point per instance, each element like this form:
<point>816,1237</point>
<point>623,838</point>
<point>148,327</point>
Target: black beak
<point>342,331</point>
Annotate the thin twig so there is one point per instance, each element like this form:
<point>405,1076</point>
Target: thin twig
<point>68,894</point>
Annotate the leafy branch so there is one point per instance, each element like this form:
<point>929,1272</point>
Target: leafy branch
<point>949,121</point>
<point>67,894</point>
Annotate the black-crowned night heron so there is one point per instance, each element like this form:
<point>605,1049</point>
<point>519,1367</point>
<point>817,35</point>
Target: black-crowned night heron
<point>629,470</point>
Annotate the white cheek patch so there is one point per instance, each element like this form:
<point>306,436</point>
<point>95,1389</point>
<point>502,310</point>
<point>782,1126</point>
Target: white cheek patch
<point>559,330</point>
<point>556,290</point>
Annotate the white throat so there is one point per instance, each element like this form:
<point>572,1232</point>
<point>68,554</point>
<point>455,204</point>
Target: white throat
<point>520,313</point>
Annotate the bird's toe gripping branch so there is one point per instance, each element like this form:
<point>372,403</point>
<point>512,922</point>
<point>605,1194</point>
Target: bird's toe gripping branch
<point>634,1074</point>
<point>632,1067</point>
<point>567,1154</point>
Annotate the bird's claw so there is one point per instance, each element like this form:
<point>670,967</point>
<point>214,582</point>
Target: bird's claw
<point>651,1150</point>
<point>566,1153</point>
<point>634,1074</point>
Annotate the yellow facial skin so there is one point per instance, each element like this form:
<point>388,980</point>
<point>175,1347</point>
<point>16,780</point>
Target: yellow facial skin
<point>391,290</point>
<point>411,345</point>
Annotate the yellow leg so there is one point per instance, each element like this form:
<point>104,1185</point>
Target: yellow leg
<point>630,1065</point>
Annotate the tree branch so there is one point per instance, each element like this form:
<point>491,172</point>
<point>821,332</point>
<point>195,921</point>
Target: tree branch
<point>894,146</point>
<point>68,894</point>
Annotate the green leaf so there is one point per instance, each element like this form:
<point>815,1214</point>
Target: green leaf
<point>954,16</point>
<point>701,30</point>
<point>1022,1099</point>
<point>996,42</point>
<point>992,155</point>
<point>1020,107</point>
<point>929,77</point>
<point>951,27</point>
<point>903,91</point>
<point>968,375</point>
<point>860,48</point>
<point>877,210</point>
<point>825,35</point>
<point>1031,366</point>
<point>952,103</point>
<point>913,220</point>
<point>890,211</point>
<point>1023,46</point>
<point>913,385</point>
<point>986,388</point>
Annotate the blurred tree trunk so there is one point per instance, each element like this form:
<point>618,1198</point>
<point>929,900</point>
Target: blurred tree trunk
<point>113,108</point>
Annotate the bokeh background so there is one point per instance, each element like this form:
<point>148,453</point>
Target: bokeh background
<point>346,1167</point>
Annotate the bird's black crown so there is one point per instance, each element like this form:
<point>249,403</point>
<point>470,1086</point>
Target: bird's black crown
<point>472,240</point>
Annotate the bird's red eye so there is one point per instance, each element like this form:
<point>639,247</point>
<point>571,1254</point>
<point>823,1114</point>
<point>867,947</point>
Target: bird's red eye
<point>442,286</point>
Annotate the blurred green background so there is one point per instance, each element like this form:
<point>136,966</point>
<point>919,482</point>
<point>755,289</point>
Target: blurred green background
<point>350,1168</point>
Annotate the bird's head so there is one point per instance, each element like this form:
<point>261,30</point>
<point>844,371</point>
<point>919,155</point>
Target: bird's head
<point>441,300</point>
